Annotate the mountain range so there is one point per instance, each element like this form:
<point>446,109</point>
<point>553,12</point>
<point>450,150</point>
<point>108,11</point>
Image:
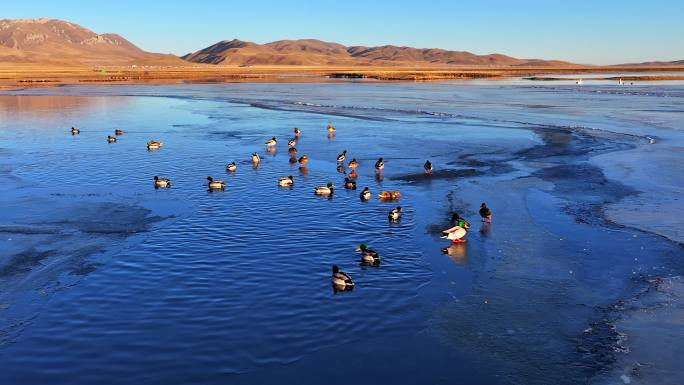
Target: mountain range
<point>57,42</point>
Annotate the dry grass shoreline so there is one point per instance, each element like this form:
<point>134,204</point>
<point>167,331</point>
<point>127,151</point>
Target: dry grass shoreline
<point>22,76</point>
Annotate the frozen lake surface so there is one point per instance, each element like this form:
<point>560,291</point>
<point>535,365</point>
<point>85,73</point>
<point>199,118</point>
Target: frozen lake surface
<point>104,279</point>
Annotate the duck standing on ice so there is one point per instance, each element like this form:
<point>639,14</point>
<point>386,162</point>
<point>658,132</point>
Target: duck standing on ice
<point>456,233</point>
<point>485,213</point>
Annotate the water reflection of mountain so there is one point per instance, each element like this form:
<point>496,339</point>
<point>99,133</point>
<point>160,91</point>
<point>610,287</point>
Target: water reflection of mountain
<point>42,108</point>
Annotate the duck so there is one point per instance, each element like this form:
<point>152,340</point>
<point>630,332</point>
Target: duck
<point>390,195</point>
<point>292,142</point>
<point>111,139</point>
<point>75,131</point>
<point>365,194</point>
<point>456,233</point>
<point>341,280</point>
<point>395,214</point>
<point>380,164</point>
<point>231,167</point>
<point>154,145</point>
<point>342,157</point>
<point>349,184</point>
<point>161,182</point>
<point>485,213</point>
<point>287,181</point>
<point>368,256</point>
<point>297,132</point>
<point>331,128</point>
<point>215,184</point>
<point>354,163</point>
<point>325,190</point>
<point>341,169</point>
<point>118,132</point>
<point>272,142</point>
<point>304,159</point>
<point>256,158</point>
<point>292,151</point>
<point>428,167</point>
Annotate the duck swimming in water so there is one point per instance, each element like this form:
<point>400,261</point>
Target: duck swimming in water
<point>365,194</point>
<point>272,142</point>
<point>368,256</point>
<point>287,181</point>
<point>341,280</point>
<point>353,164</point>
<point>349,184</point>
<point>292,142</point>
<point>325,190</point>
<point>485,213</point>
<point>390,195</point>
<point>118,132</point>
<point>395,214</point>
<point>342,157</point>
<point>380,164</point>
<point>111,139</point>
<point>231,167</point>
<point>428,167</point>
<point>331,128</point>
<point>292,151</point>
<point>303,159</point>
<point>161,182</point>
<point>75,131</point>
<point>297,132</point>
<point>154,145</point>
<point>215,184</point>
<point>256,158</point>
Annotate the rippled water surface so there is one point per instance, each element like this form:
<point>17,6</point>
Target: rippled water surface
<point>104,279</point>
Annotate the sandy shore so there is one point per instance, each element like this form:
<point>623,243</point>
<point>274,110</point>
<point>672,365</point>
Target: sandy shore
<point>13,75</point>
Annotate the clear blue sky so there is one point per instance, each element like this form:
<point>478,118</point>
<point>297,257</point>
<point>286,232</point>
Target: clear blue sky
<point>582,31</point>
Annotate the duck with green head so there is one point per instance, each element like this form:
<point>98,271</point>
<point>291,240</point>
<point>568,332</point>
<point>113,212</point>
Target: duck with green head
<point>368,256</point>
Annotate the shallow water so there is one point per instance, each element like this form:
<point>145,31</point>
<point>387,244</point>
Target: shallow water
<point>104,278</point>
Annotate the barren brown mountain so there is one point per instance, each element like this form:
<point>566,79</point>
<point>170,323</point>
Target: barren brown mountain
<point>316,52</point>
<point>50,41</point>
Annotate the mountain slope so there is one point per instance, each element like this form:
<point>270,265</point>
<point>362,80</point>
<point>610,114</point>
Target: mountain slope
<point>316,52</point>
<point>51,41</point>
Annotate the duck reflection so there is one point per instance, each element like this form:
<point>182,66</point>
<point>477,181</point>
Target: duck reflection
<point>458,252</point>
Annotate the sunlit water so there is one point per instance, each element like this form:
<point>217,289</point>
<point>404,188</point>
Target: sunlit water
<point>104,279</point>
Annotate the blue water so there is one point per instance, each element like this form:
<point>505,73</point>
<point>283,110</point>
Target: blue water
<point>104,279</point>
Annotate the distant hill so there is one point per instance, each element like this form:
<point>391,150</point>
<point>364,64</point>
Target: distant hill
<point>50,41</point>
<point>657,63</point>
<point>316,52</point>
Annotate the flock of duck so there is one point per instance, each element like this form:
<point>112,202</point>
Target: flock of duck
<point>341,281</point>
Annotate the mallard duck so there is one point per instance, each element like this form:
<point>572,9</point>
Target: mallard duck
<point>153,145</point>
<point>368,256</point>
<point>111,139</point>
<point>390,195</point>
<point>297,132</point>
<point>365,194</point>
<point>395,214</point>
<point>304,159</point>
<point>256,158</point>
<point>331,128</point>
<point>342,157</point>
<point>287,181</point>
<point>341,280</point>
<point>349,184</point>
<point>428,167</point>
<point>231,167</point>
<point>161,182</point>
<point>354,163</point>
<point>272,142</point>
<point>485,213</point>
<point>325,190</point>
<point>75,131</point>
<point>292,142</point>
<point>118,132</point>
<point>215,184</point>
<point>292,151</point>
<point>458,231</point>
<point>380,164</point>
